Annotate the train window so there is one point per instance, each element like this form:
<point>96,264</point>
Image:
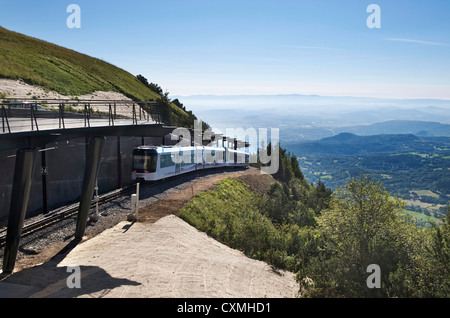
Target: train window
<point>166,161</point>
<point>163,162</point>
<point>188,159</point>
<point>144,162</point>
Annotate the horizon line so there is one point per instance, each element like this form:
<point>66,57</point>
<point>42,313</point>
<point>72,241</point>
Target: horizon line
<point>308,95</point>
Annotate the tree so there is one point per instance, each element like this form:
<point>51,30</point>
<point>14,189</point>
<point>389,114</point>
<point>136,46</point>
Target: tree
<point>170,115</point>
<point>440,257</point>
<point>320,197</point>
<point>363,226</point>
<point>154,87</point>
<point>179,104</point>
<point>142,79</point>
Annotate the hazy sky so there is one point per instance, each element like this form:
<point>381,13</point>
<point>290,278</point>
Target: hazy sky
<point>228,47</point>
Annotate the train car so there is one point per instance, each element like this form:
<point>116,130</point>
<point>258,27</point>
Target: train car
<point>156,163</point>
<point>213,157</point>
<point>236,158</point>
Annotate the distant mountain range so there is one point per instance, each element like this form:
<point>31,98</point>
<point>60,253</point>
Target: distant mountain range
<point>351,144</point>
<point>302,117</point>
<point>415,127</point>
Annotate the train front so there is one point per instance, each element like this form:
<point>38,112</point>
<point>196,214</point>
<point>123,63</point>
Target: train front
<point>145,162</point>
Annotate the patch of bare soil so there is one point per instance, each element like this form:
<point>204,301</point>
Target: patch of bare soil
<point>257,182</point>
<point>19,89</point>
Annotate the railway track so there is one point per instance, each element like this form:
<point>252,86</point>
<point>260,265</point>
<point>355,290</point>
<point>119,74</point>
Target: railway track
<point>72,210</point>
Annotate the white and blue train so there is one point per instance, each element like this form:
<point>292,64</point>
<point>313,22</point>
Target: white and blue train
<point>157,163</point>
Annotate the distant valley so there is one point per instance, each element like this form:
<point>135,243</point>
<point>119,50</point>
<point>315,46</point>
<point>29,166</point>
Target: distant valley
<point>417,169</point>
<point>403,143</point>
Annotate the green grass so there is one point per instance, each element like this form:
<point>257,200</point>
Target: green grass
<point>62,70</point>
<point>422,155</point>
<point>231,215</point>
<point>218,212</point>
<point>420,218</point>
<point>427,193</point>
<point>55,68</point>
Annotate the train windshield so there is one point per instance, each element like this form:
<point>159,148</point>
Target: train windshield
<point>144,161</point>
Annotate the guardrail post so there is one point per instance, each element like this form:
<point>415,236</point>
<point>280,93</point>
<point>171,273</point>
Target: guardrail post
<point>136,211</point>
<point>110,116</point>
<point>33,110</point>
<point>44,171</point>
<point>87,115</point>
<point>23,171</point>
<point>61,116</point>
<point>94,153</point>
<point>31,116</point>
<point>5,118</point>
<point>134,114</point>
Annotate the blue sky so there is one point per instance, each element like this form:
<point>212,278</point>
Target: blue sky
<point>230,47</point>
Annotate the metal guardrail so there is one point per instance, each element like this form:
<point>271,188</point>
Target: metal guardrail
<point>35,115</point>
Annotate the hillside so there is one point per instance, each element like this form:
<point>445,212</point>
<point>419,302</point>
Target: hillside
<point>67,72</point>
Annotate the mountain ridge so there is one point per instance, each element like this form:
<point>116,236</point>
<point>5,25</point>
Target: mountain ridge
<point>351,144</point>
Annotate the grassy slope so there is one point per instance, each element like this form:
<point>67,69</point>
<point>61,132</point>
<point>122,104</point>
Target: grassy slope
<point>65,71</point>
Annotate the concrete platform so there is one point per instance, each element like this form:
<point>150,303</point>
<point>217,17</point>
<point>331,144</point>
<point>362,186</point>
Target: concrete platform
<point>166,259</point>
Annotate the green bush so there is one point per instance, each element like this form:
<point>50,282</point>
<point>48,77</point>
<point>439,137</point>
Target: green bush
<point>329,249</point>
<point>230,214</point>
